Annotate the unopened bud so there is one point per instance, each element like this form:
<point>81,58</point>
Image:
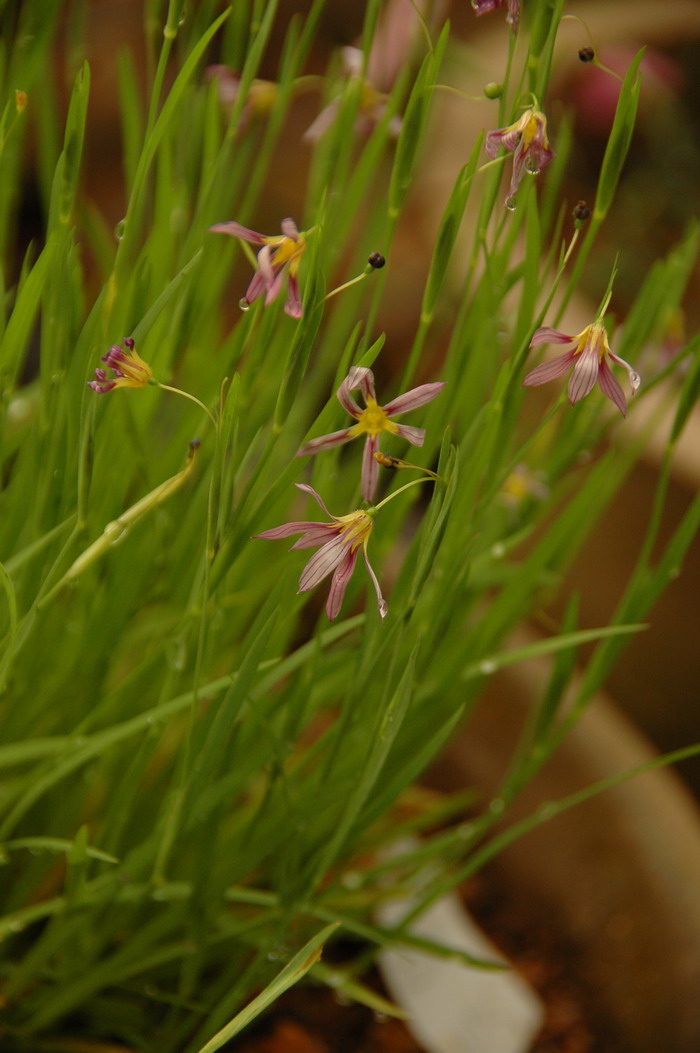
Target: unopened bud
<point>376,261</point>
<point>21,101</point>
<point>582,212</point>
<point>493,90</point>
<point>586,54</point>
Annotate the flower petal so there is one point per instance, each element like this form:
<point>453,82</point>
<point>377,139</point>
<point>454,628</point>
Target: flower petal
<point>288,530</point>
<point>293,306</point>
<point>274,288</point>
<point>634,377</point>
<point>290,229</point>
<point>381,602</point>
<point>324,561</point>
<point>317,534</point>
<point>370,468</point>
<point>265,265</point>
<point>325,442</point>
<point>307,489</point>
<point>416,436</point>
<point>611,388</point>
<point>339,584</point>
<point>508,138</point>
<point>322,123</point>
<point>547,371</point>
<point>256,287</point>
<point>358,379</point>
<point>237,231</point>
<point>413,399</point>
<point>584,376</point>
<point>545,335</point>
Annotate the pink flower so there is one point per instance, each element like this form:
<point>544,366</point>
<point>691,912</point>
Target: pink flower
<point>399,32</point>
<point>482,7</point>
<point>339,544</point>
<point>589,357</point>
<point>262,94</point>
<point>278,253</point>
<point>372,421</point>
<point>129,369</point>
<point>527,141</point>
<point>372,103</point>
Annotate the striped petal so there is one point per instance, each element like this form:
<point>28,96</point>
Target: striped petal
<point>358,379</point>
<point>381,602</point>
<point>413,399</point>
<point>339,584</point>
<point>265,265</point>
<point>237,231</point>
<point>317,534</point>
<point>289,529</point>
<point>256,288</point>
<point>549,370</point>
<point>584,375</point>
<point>416,436</point>
<point>323,562</point>
<point>545,335</point>
<point>307,489</point>
<point>293,306</point>
<point>326,442</point>
<point>274,288</point>
<point>370,468</point>
<point>611,387</point>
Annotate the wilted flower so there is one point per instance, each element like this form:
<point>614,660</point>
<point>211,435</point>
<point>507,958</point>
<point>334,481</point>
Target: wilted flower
<point>589,357</point>
<point>482,7</point>
<point>372,421</point>
<point>527,141</point>
<point>339,543</point>
<point>278,253</point>
<point>129,369</point>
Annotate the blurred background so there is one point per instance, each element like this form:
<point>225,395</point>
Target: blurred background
<point>657,682</point>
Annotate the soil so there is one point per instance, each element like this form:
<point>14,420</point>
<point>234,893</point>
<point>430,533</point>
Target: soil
<point>311,1019</point>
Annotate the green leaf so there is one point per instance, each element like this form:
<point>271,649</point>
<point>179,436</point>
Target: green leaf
<point>293,971</point>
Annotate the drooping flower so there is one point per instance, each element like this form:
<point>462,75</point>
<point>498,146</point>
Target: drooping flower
<point>279,253</point>
<point>339,543</point>
<point>128,368</point>
<point>372,421</point>
<point>482,7</point>
<point>527,141</point>
<point>589,357</point>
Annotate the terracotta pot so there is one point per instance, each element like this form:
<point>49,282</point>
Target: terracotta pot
<point>619,875</point>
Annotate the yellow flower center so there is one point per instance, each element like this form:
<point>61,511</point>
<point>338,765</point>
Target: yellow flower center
<point>357,526</point>
<point>594,338</point>
<point>373,420</point>
<point>136,372</point>
<point>288,251</point>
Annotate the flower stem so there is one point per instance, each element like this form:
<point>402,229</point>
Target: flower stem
<point>406,486</point>
<point>192,398</point>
